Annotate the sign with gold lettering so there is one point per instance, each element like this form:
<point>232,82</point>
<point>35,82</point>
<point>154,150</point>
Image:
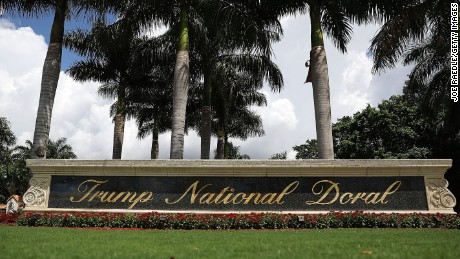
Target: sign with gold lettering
<point>239,193</point>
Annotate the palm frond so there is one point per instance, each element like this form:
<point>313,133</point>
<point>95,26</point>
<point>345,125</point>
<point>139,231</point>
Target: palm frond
<point>406,27</point>
<point>336,24</point>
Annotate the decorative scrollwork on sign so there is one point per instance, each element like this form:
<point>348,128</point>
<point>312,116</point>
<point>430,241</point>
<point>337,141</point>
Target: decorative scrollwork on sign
<point>34,196</point>
<point>440,197</point>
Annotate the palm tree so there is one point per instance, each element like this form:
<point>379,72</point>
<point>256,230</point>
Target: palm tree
<point>59,149</point>
<point>52,64</point>
<point>51,67</point>
<point>151,100</point>
<point>232,152</point>
<point>419,34</point>
<point>152,105</point>
<point>109,51</point>
<point>332,17</point>
<point>233,117</point>
<point>222,37</point>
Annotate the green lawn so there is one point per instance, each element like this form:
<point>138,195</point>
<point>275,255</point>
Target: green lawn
<point>28,242</point>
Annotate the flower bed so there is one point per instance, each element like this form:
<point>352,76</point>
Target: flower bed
<point>234,221</point>
<point>8,218</point>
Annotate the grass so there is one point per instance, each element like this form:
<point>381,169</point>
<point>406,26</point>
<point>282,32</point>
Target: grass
<point>28,242</point>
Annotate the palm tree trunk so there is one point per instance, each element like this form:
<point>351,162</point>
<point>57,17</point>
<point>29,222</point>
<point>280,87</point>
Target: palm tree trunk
<point>206,116</point>
<point>118,135</point>
<point>120,118</point>
<point>154,152</point>
<point>226,147</point>
<point>220,145</point>
<point>180,88</point>
<point>320,82</point>
<point>50,78</point>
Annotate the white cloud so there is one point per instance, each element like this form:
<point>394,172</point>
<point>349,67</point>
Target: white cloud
<point>154,30</point>
<point>280,113</point>
<point>4,23</point>
<point>21,49</point>
<point>291,155</point>
<point>353,93</point>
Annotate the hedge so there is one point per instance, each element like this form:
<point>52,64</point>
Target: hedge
<point>156,220</point>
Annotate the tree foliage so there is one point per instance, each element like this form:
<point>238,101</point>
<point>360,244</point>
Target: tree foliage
<point>14,174</point>
<point>393,129</point>
<point>232,152</point>
<point>309,150</point>
<point>279,156</point>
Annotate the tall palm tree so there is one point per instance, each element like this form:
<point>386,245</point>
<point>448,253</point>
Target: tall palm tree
<point>332,17</point>
<point>180,86</point>
<point>151,100</point>
<point>52,65</point>
<point>109,51</point>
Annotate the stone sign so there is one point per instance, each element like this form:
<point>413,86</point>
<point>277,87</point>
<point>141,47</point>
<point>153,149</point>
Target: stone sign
<point>306,186</point>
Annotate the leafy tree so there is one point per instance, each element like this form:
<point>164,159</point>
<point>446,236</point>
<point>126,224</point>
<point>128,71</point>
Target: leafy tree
<point>393,129</point>
<point>7,139</point>
<point>309,150</point>
<point>15,178</point>
<point>14,174</point>
<point>419,34</point>
<point>279,156</point>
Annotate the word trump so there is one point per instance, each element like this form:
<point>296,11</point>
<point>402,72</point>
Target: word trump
<point>90,194</point>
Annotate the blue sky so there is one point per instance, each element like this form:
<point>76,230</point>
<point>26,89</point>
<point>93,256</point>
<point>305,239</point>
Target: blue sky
<point>83,117</point>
